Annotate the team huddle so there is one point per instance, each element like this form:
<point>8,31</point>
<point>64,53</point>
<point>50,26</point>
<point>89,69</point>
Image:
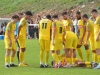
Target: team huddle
<point>56,35</point>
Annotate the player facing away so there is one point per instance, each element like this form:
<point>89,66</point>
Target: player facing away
<point>44,39</point>
<point>81,29</point>
<point>16,33</point>
<point>70,43</point>
<point>57,39</point>
<point>68,23</point>
<point>89,36</point>
<point>10,41</point>
<point>97,34</point>
<point>22,36</point>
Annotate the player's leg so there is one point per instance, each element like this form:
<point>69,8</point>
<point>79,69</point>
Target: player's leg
<point>18,50</point>
<point>94,55</point>
<point>74,45</point>
<point>41,42</point>
<point>98,57</point>
<point>87,52</point>
<point>6,57</point>
<point>67,52</point>
<point>12,58</point>
<point>47,50</point>
<point>22,44</point>
<point>79,51</point>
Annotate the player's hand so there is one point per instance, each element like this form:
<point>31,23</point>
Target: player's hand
<point>63,43</point>
<point>81,41</point>
<point>10,44</point>
<point>85,44</point>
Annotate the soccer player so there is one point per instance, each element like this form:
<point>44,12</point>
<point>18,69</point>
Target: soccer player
<point>44,39</point>
<point>89,35</point>
<point>78,62</point>
<point>97,34</point>
<point>78,16</point>
<point>57,39</point>
<point>70,43</point>
<point>16,33</point>
<point>10,41</point>
<point>22,36</point>
<point>68,23</point>
<point>81,32</point>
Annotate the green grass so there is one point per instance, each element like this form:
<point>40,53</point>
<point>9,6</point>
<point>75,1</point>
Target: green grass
<point>32,58</point>
<point>12,6</point>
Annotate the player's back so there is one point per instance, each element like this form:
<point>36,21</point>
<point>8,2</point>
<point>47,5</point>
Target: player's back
<point>44,29</point>
<point>59,29</point>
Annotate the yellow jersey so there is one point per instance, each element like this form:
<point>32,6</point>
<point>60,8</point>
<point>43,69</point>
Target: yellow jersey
<point>90,28</point>
<point>11,27</point>
<point>44,29</point>
<point>58,25</point>
<point>97,26</point>
<point>80,28</point>
<point>68,24</point>
<point>23,23</point>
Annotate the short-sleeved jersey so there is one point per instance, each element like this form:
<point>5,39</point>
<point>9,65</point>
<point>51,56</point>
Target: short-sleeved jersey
<point>81,28</point>
<point>44,29</point>
<point>97,26</point>
<point>23,23</point>
<point>68,24</point>
<point>90,28</point>
<point>10,28</point>
<point>59,27</point>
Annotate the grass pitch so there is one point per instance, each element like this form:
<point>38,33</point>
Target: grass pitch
<point>32,58</point>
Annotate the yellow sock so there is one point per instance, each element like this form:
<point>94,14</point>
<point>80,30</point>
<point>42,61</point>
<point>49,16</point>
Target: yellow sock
<point>11,59</point>
<point>68,60</point>
<point>94,57</point>
<point>87,63</point>
<point>21,57</point>
<point>41,56</point>
<point>73,60</point>
<point>59,56</point>
<point>88,54</point>
<point>55,57</point>
<point>46,57</point>
<point>80,53</point>
<point>6,60</point>
<point>98,58</point>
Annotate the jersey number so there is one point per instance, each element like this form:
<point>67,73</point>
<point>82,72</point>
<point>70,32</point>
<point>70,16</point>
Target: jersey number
<point>44,25</point>
<point>60,30</point>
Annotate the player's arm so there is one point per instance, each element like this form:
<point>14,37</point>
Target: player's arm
<point>53,32</point>
<point>19,28</point>
<point>97,22</point>
<point>64,33</point>
<point>88,34</point>
<point>84,31</point>
<point>71,26</point>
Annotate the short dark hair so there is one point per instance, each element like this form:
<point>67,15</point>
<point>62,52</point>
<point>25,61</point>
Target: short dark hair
<point>64,13</point>
<point>55,16</point>
<point>15,17</point>
<point>94,10</point>
<point>85,16</point>
<point>78,13</point>
<point>48,16</point>
<point>20,13</point>
<point>28,13</point>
